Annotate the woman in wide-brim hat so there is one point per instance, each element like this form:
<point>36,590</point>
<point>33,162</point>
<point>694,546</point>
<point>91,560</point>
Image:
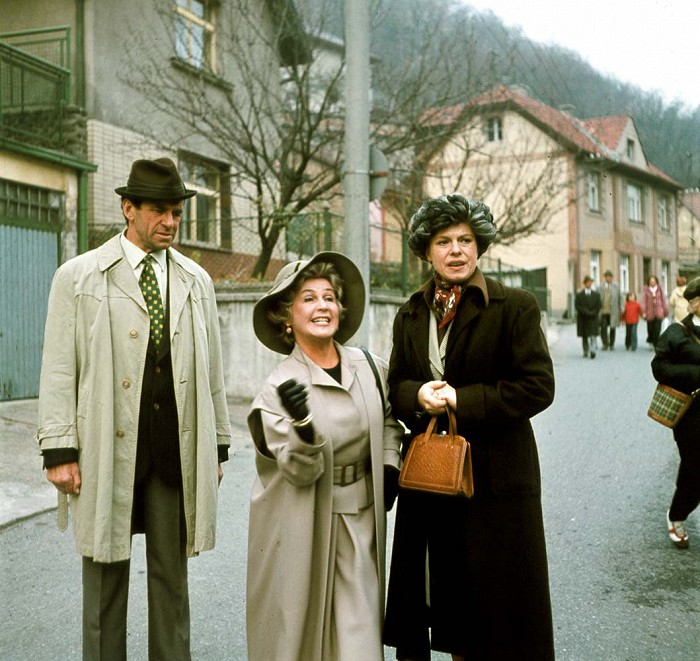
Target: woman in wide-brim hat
<point>469,576</point>
<point>324,439</point>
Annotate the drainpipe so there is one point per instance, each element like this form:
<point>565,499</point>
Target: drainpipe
<point>82,212</point>
<point>80,102</point>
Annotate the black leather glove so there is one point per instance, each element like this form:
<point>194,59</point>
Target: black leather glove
<point>294,398</point>
<point>391,486</point>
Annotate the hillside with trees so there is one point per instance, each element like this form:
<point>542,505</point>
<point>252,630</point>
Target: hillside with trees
<point>471,51</point>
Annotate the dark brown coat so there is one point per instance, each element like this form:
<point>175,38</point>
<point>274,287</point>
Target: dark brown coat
<point>489,586</point>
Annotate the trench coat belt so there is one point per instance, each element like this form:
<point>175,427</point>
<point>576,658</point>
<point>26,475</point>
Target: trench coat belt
<point>344,475</point>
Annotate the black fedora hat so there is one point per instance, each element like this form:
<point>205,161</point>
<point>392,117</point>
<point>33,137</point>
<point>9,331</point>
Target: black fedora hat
<point>154,180</point>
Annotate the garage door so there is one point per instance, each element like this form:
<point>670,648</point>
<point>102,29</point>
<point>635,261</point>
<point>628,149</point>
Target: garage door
<point>30,223</point>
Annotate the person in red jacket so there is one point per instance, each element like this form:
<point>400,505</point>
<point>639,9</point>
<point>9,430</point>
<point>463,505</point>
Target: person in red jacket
<point>630,317</point>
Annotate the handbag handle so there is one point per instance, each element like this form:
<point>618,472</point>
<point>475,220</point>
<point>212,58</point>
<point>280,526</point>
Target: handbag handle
<point>452,423</point>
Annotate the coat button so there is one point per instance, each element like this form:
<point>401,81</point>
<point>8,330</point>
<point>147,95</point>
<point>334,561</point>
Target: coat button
<point>120,433</point>
<point>126,383</point>
<point>156,406</point>
<point>133,333</point>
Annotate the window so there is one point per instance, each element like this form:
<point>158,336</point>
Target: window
<point>194,33</point>
<point>20,203</point>
<point>630,149</point>
<point>663,213</point>
<point>634,203</point>
<point>594,191</point>
<point>595,266</point>
<point>201,221</point>
<point>665,275</point>
<point>624,273</point>
<point>494,129</point>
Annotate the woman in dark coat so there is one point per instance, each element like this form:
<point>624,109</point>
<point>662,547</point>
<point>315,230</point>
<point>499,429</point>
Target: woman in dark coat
<point>677,364</point>
<point>484,590</point>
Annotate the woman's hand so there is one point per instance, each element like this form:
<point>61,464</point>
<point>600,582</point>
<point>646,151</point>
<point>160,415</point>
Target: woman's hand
<point>294,398</point>
<point>434,395</point>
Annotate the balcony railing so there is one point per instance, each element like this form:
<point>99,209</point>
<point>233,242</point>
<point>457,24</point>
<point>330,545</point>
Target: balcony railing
<point>35,89</point>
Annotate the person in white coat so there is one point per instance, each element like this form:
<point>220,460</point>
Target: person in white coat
<point>327,460</point>
<point>133,421</point>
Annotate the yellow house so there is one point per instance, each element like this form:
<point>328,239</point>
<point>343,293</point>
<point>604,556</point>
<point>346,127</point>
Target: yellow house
<point>572,196</point>
<point>689,234</point>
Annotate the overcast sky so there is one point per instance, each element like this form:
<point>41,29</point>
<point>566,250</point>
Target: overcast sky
<point>654,44</point>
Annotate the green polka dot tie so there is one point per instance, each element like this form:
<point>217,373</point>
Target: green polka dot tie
<point>151,293</point>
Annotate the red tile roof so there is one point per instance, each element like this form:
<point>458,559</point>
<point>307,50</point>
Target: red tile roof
<point>599,135</point>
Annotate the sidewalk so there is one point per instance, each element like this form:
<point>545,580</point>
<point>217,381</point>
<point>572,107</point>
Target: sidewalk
<point>24,490</point>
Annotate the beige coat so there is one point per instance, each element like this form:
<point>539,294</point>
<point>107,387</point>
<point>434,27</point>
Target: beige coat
<point>94,353</point>
<point>291,505</point>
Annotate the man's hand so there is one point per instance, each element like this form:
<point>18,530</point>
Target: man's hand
<point>65,477</point>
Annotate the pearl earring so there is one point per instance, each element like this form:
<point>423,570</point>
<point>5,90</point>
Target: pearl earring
<point>288,329</point>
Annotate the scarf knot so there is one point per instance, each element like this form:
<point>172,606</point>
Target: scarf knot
<point>445,300</point>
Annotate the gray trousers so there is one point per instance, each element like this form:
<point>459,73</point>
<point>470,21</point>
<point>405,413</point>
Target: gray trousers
<point>106,587</point>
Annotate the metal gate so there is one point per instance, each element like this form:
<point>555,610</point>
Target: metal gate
<point>29,255</point>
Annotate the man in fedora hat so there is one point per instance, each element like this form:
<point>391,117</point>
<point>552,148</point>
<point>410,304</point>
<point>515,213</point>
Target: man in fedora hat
<point>133,421</point>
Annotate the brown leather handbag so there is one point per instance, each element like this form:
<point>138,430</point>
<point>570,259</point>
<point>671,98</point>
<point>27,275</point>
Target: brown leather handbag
<point>439,463</point>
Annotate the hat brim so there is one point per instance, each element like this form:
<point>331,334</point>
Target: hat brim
<point>124,191</point>
<point>353,301</point>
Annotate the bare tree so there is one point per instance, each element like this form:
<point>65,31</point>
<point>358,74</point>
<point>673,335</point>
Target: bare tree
<point>281,127</point>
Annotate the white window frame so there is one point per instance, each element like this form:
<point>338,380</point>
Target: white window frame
<point>191,204</point>
<point>593,191</point>
<point>665,275</point>
<point>634,203</point>
<point>594,272</point>
<point>663,213</point>
<point>630,149</point>
<point>624,273</point>
<point>198,55</point>
<point>494,128</point>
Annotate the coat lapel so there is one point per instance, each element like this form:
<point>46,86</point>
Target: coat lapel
<point>111,256</point>
<point>417,333</point>
<point>180,283</point>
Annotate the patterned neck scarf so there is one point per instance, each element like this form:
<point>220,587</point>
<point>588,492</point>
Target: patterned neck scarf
<point>445,300</point>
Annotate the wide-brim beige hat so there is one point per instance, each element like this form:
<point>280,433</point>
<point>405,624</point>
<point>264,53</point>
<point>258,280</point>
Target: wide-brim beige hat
<point>353,299</point>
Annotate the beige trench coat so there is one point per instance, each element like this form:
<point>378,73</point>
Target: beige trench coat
<point>291,506</point>
<point>94,354</point>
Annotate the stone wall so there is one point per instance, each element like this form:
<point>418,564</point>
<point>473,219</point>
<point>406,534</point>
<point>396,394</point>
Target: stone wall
<point>247,362</point>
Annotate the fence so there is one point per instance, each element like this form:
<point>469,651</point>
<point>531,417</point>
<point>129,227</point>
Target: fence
<point>235,246</point>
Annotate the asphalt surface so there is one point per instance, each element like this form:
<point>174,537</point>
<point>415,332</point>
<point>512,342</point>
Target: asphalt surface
<point>620,590</point>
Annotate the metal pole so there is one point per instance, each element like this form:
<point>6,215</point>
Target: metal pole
<point>356,175</point>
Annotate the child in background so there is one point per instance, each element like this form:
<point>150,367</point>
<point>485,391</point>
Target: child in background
<point>630,315</point>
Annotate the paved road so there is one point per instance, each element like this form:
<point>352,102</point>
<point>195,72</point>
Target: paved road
<point>621,591</point>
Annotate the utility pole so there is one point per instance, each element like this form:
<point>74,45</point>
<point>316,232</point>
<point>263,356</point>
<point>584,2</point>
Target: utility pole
<point>356,175</point>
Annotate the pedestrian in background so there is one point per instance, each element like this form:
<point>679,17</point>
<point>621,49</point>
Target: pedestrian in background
<point>133,420</point>
<point>587,304</point>
<point>327,456</point>
<point>677,301</point>
<point>677,364</point>
<point>609,311</point>
<point>630,317</point>
<point>469,577</point>
<point>654,309</point>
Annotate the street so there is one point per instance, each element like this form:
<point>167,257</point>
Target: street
<point>620,590</point>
